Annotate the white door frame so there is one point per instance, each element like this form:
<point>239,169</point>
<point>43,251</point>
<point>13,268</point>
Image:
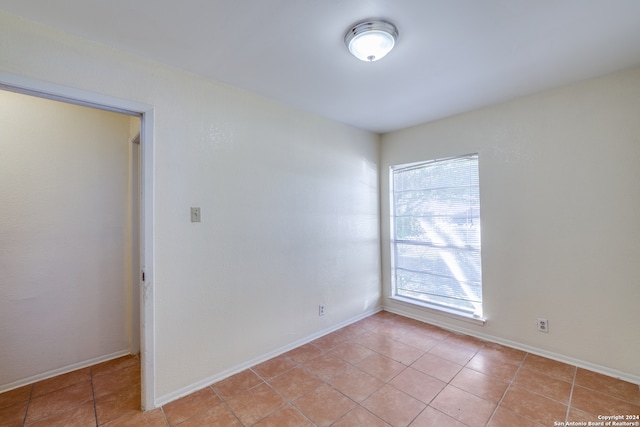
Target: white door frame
<point>71,95</point>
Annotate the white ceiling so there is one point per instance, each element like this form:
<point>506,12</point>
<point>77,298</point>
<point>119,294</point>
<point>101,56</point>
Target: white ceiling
<point>452,55</point>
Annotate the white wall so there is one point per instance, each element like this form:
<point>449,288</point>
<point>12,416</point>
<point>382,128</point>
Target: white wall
<point>289,208</point>
<point>65,236</point>
<point>560,199</point>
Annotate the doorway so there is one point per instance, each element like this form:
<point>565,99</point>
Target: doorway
<point>71,199</point>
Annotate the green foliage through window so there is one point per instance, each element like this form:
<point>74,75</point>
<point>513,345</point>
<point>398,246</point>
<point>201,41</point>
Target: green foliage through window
<point>436,233</point>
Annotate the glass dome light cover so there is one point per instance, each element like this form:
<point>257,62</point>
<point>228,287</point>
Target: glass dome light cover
<point>371,40</point>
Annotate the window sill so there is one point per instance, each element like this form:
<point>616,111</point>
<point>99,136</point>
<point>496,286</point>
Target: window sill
<point>440,310</point>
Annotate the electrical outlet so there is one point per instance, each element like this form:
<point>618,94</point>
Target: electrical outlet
<point>543,325</point>
<point>321,310</point>
<point>195,214</point>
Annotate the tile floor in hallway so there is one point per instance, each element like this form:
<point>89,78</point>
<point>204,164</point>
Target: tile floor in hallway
<point>385,370</point>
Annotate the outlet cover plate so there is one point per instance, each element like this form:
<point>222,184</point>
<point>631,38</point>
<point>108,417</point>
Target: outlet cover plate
<point>543,325</point>
<point>195,214</point>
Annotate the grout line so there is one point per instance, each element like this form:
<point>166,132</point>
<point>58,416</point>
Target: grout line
<point>165,416</point>
<point>24,420</point>
<point>425,352</point>
<point>224,402</point>
<point>295,408</point>
<point>573,384</point>
<point>506,390</point>
<point>93,396</point>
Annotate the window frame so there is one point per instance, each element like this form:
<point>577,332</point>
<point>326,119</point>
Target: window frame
<point>413,302</point>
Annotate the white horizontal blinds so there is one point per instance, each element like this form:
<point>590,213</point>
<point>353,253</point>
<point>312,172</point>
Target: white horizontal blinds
<point>436,208</point>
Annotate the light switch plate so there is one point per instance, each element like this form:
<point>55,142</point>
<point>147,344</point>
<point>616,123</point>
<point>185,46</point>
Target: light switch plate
<point>195,214</point>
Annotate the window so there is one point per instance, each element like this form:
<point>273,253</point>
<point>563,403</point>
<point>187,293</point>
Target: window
<point>435,226</point>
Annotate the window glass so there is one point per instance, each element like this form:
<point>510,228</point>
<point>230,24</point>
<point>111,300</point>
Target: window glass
<point>436,234</point>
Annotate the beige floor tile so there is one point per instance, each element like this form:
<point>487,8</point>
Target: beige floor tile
<point>463,406</point>
<point>356,384</point>
<point>303,353</point>
<point>433,331</point>
<point>154,418</point>
<point>442,369</point>
<point>420,340</point>
<point>190,405</point>
<point>418,385</point>
<point>493,367</point>
<point>285,417</point>
<point>255,404</point>
<point>359,417</point>
<point>326,366</point>
<point>403,353</point>
<point>329,341</point>
<point>471,343</point>
<point>295,383</point>
<point>576,415</point>
<point>549,367</point>
<point>381,367</point>
<point>218,415</point>
<point>598,403</point>
<point>394,406</point>
<point>506,418</point>
<point>370,323</point>
<point>115,365</point>
<point>18,395</point>
<point>352,331</point>
<point>324,405</point>
<point>484,386</point>
<point>116,380</point>
<point>59,401</point>
<point>115,405</point>
<point>502,353</point>
<point>431,417</point>
<point>533,406</point>
<point>453,352</point>
<point>384,316</point>
<point>351,352</point>
<point>79,416</point>
<point>274,367</point>
<point>608,385</point>
<point>375,341</point>
<point>61,381</point>
<point>544,385</point>
<point>392,330</point>
<point>12,416</point>
<point>237,384</point>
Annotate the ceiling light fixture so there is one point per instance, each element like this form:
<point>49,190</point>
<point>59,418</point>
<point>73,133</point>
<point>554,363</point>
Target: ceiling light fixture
<point>371,40</point>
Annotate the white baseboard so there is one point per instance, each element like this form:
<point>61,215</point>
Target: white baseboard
<point>625,376</point>
<point>205,382</point>
<point>65,369</point>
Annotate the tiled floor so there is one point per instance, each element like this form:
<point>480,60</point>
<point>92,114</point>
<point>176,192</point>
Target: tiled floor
<point>385,370</point>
